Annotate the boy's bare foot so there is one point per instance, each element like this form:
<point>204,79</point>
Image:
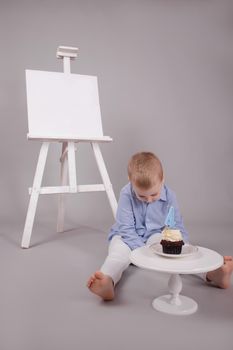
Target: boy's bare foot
<point>222,276</point>
<point>101,285</point>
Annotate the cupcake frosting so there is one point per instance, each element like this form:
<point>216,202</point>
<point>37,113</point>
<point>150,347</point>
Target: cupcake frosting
<point>171,235</point>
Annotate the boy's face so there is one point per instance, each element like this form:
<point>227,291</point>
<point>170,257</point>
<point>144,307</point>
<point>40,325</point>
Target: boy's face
<point>150,195</point>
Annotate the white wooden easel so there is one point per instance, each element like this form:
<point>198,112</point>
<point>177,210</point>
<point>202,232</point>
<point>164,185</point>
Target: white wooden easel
<point>68,166</point>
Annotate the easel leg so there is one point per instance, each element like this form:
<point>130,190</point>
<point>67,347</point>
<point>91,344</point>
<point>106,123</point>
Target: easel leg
<point>61,198</point>
<point>72,167</point>
<point>105,177</point>
<point>34,195</point>
<point>68,167</point>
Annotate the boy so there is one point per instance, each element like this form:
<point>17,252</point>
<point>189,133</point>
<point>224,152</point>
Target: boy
<point>142,208</point>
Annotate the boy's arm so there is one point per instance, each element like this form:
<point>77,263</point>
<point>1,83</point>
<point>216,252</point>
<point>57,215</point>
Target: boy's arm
<point>125,222</point>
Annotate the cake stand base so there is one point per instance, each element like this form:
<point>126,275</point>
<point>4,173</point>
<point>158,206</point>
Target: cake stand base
<point>187,306</point>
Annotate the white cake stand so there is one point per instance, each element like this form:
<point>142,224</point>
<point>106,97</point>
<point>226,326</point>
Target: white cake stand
<point>202,261</point>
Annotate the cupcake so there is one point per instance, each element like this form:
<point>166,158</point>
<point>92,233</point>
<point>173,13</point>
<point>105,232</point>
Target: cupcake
<point>171,241</point>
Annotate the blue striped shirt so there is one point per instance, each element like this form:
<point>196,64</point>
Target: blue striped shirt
<point>136,220</point>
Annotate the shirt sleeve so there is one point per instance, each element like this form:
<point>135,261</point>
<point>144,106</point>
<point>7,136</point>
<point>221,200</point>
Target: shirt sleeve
<point>125,222</point>
<point>178,218</point>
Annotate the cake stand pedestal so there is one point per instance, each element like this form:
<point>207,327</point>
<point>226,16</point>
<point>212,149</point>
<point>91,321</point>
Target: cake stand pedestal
<point>175,303</point>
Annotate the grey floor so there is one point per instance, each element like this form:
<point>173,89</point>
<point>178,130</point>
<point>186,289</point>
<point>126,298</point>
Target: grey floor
<point>45,304</point>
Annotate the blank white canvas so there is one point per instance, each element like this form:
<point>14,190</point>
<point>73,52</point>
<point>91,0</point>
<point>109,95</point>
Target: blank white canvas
<point>62,105</point>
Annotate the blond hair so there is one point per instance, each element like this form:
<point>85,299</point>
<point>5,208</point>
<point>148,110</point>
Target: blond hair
<point>145,170</point>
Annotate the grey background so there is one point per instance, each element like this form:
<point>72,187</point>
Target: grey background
<point>165,82</point>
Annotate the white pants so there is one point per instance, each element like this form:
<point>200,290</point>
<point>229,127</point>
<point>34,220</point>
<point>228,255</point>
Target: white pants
<point>118,258</point>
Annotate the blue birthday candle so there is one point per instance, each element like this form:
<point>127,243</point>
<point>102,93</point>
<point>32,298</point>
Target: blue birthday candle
<point>170,219</point>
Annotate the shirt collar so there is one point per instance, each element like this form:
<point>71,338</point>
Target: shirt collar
<point>163,194</point>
